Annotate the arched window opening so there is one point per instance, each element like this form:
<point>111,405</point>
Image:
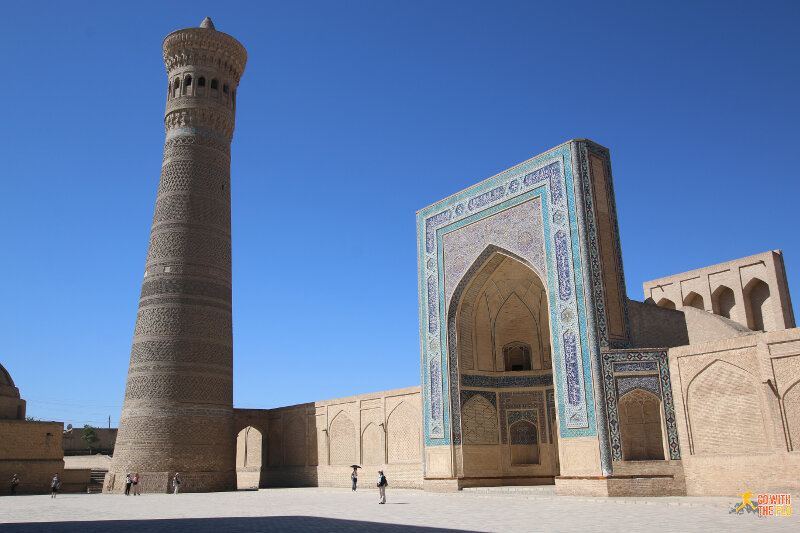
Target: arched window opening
<point>757,295</point>
<point>176,87</point>
<point>666,303</point>
<point>249,454</point>
<point>201,81</point>
<point>225,88</point>
<point>524,440</point>
<point>517,356</point>
<point>694,300</point>
<point>187,84</point>
<point>723,301</point>
<point>640,426</point>
<point>214,85</point>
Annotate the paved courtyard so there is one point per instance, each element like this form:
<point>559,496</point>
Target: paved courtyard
<point>339,510</point>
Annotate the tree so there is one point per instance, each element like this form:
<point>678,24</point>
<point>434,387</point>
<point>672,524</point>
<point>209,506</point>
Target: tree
<point>89,436</point>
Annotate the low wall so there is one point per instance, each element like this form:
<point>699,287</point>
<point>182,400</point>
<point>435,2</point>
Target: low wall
<point>737,405</point>
<point>33,451</point>
<point>314,444</point>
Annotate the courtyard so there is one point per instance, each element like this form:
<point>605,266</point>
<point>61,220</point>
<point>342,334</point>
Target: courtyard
<point>339,510</point>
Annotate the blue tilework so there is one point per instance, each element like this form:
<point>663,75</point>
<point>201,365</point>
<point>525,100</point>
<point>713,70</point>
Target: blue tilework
<point>584,149</point>
<point>637,366</point>
<point>552,174</point>
<point>657,382</point>
<point>506,382</point>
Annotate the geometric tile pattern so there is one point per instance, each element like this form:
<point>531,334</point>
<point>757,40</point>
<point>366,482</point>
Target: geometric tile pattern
<point>652,374</point>
<point>550,178</point>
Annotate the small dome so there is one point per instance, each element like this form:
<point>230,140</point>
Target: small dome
<point>207,23</point>
<point>5,378</point>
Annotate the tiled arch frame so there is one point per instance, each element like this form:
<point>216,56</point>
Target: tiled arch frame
<point>572,262</point>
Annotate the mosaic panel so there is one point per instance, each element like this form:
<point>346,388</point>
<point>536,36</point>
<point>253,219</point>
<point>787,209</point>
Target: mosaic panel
<point>637,366</point>
<point>595,262</point>
<point>659,383</point>
<point>506,382</point>
<point>548,177</point>
<point>629,383</point>
<point>532,401</point>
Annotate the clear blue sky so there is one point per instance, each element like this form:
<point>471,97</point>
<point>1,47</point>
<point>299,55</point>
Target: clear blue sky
<point>351,117</point>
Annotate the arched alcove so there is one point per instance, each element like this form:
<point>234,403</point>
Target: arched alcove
<point>503,311</point>
<point>666,303</point>
<point>640,426</point>
<point>791,406</point>
<point>523,438</point>
<point>724,410</point>
<point>757,296</point>
<point>694,300</point>
<point>342,436</point>
<point>723,301</point>
<point>249,458</point>
<point>479,421</point>
<point>403,434</point>
<point>372,449</point>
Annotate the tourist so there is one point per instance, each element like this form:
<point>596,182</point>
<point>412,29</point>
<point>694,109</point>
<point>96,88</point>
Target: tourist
<point>54,485</point>
<point>176,482</point>
<point>128,483</point>
<point>354,478</point>
<point>382,483</point>
<point>14,484</point>
<point>136,484</point>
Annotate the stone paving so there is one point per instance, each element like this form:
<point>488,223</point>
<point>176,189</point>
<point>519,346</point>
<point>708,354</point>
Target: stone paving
<point>339,510</point>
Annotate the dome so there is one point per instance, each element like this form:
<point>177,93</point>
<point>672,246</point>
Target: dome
<point>5,378</point>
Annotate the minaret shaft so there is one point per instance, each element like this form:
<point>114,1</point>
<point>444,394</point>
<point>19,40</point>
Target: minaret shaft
<point>177,415</point>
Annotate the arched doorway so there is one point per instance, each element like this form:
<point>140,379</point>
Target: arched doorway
<point>249,458</point>
<point>501,324</point>
<point>640,426</point>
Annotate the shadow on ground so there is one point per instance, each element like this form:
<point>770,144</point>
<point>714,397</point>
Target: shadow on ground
<point>228,525</point>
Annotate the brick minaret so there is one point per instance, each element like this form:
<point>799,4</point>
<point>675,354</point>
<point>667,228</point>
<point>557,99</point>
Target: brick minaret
<point>178,408</point>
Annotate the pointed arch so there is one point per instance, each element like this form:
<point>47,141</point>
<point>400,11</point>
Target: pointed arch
<point>666,303</point>
<point>479,421</point>
<point>403,434</point>
<point>791,407</point>
<point>694,300</point>
<point>640,426</point>
<point>757,305</point>
<point>724,410</point>
<point>372,449</point>
<point>723,301</point>
<point>523,437</point>
<point>342,440</point>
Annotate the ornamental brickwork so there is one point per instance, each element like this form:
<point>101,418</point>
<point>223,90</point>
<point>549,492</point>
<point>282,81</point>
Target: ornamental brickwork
<point>177,414</point>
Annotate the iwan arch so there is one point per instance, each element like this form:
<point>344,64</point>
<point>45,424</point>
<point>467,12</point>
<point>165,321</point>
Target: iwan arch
<point>536,367</point>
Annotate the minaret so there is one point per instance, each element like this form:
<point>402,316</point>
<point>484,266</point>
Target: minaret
<point>177,415</point>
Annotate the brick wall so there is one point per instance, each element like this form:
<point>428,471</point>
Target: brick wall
<point>737,413</point>
<point>314,444</point>
<point>32,450</point>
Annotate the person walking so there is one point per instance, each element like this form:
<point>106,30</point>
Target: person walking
<point>14,484</point>
<point>136,484</point>
<point>176,482</point>
<point>55,483</point>
<point>354,478</point>
<point>382,483</point>
<point>128,483</point>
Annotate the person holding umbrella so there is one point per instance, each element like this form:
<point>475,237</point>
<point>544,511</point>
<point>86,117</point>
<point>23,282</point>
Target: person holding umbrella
<point>354,476</point>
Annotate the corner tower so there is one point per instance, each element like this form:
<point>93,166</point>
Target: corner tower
<point>177,415</point>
